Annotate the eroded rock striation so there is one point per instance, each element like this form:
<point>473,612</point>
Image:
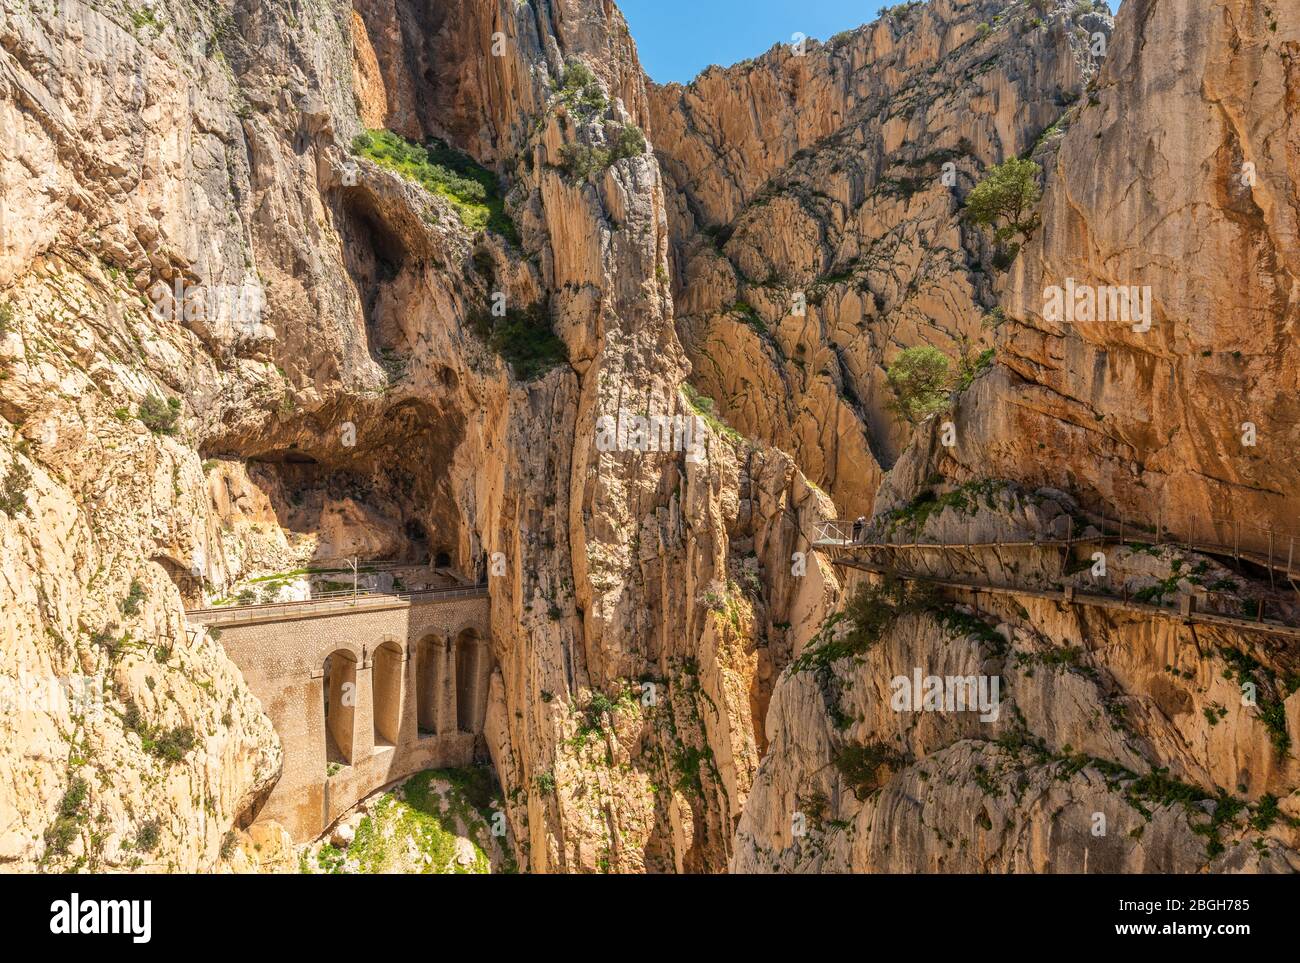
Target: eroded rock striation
<point>248,327</point>
<point>1174,174</point>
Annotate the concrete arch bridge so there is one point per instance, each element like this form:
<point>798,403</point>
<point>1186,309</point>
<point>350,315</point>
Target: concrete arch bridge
<point>362,691</point>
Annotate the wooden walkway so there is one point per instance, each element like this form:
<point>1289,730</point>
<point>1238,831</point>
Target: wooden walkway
<point>838,535</point>
<point>1188,615</point>
<point>837,540</point>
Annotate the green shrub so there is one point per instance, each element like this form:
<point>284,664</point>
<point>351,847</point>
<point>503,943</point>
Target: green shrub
<point>174,743</point>
<point>920,380</point>
<point>1005,198</point>
<point>971,365</point>
<point>170,744</point>
<point>145,17</point>
<point>148,835</point>
<point>523,337</point>
<point>581,161</point>
<point>579,90</point>
<point>134,596</point>
<point>6,318</point>
<point>160,416</point>
<point>704,406</point>
<point>860,766</point>
<point>13,490</point>
<point>60,833</point>
<point>628,141</point>
<point>472,189</point>
<point>869,614</point>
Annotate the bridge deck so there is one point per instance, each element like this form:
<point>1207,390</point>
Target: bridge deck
<point>325,607</point>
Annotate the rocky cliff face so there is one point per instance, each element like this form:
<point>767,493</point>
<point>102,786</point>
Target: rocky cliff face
<point>657,702</point>
<point>641,603</point>
<point>816,223</point>
<point>1173,174</point>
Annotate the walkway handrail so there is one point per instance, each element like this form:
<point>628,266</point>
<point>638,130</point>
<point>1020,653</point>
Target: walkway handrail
<point>333,601</point>
<point>833,533</point>
<point>1072,594</point>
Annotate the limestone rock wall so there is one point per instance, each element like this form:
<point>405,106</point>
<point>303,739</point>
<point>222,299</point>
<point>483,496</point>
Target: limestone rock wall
<point>1175,174</point>
<point>209,148</point>
<point>1140,720</point>
<point>816,225</point>
<point>647,606</point>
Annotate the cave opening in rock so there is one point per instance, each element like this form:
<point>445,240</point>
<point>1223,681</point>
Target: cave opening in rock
<point>417,541</point>
<point>377,252</point>
<point>338,689</point>
<point>188,583</point>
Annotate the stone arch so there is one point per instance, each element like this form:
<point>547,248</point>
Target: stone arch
<point>477,626</point>
<point>387,675</point>
<point>339,691</point>
<point>328,648</point>
<point>473,669</point>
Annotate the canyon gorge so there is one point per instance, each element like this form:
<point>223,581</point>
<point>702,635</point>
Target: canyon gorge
<point>319,311</point>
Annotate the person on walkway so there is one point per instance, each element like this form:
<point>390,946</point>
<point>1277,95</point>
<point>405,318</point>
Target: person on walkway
<point>858,526</point>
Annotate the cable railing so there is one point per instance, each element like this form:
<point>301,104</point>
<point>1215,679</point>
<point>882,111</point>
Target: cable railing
<point>1252,615</point>
<point>1236,601</point>
<point>1274,549</point>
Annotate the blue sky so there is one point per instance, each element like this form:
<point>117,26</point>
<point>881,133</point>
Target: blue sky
<point>676,39</point>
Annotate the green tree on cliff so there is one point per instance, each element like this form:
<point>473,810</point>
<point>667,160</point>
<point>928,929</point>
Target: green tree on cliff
<point>920,379</point>
<point>1005,199</point>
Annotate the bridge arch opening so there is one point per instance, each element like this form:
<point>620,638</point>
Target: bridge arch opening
<point>473,666</point>
<point>428,657</point>
<point>386,694</point>
<point>339,687</point>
